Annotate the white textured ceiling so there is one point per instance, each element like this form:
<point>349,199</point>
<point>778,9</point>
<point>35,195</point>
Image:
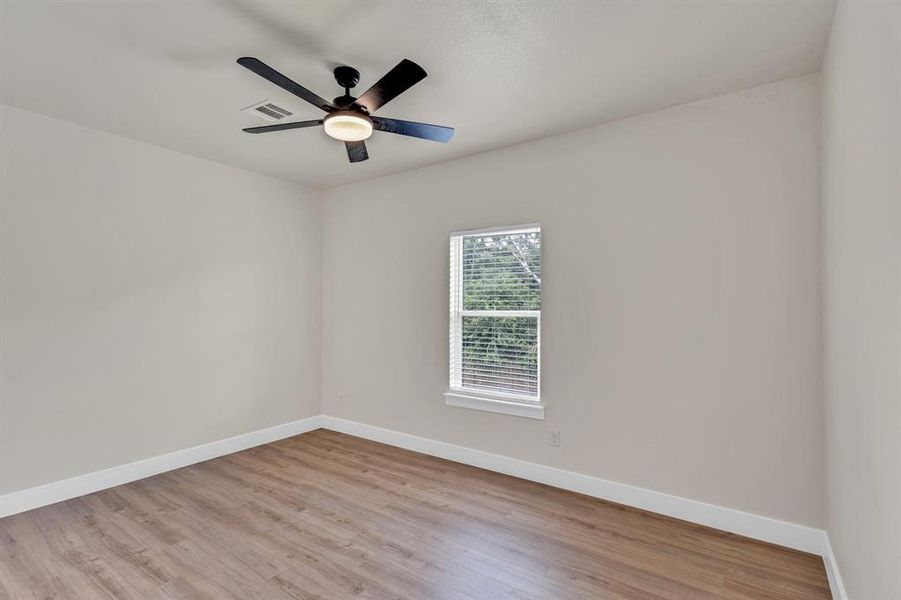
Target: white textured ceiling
<point>500,72</point>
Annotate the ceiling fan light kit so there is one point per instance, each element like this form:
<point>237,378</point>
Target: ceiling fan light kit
<point>349,119</point>
<point>348,126</point>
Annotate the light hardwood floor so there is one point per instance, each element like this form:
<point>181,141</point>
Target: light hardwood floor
<point>326,515</point>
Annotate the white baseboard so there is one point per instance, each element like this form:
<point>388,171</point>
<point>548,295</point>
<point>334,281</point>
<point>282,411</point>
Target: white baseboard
<point>27,499</point>
<point>790,535</point>
<point>835,578</point>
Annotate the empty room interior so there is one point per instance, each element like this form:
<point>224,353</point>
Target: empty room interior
<point>464,300</point>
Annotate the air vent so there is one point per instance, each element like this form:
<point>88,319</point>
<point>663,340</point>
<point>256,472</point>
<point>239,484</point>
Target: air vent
<point>268,111</point>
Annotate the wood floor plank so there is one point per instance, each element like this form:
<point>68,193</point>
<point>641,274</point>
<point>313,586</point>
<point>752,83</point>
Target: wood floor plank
<point>328,516</point>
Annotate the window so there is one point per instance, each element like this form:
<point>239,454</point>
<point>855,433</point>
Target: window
<point>495,320</point>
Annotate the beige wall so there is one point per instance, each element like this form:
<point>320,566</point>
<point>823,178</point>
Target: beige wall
<point>681,325</point>
<point>862,299</point>
<point>150,301</point>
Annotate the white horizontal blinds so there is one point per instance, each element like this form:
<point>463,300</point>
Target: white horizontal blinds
<point>500,354</point>
<point>495,312</point>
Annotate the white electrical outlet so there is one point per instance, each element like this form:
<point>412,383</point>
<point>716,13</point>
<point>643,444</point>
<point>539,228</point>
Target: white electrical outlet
<point>553,438</point>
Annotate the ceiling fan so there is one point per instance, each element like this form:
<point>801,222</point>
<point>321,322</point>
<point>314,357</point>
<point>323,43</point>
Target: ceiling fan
<point>350,119</point>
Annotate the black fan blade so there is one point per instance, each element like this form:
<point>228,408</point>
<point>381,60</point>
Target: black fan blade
<point>267,72</point>
<point>395,82</point>
<point>356,151</point>
<point>436,133</point>
<point>283,126</point>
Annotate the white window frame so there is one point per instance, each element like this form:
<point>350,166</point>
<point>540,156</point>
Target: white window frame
<point>496,402</point>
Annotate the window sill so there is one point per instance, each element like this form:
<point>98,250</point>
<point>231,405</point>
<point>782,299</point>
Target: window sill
<point>530,410</point>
